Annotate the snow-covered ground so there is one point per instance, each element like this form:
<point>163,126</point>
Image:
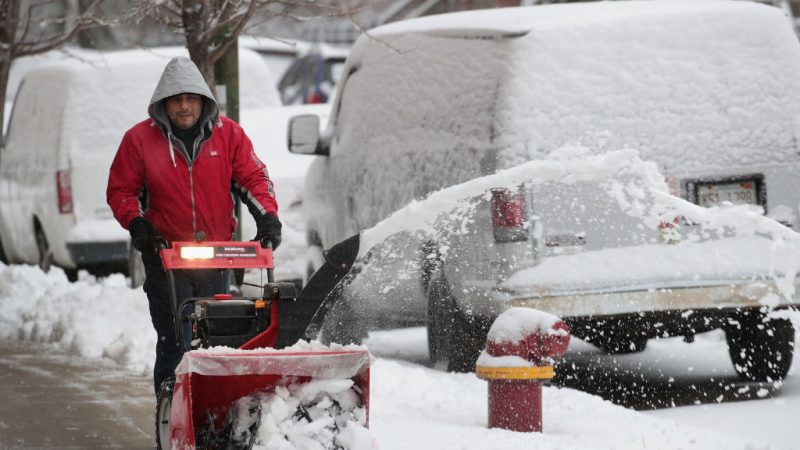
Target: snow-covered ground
<point>411,405</point>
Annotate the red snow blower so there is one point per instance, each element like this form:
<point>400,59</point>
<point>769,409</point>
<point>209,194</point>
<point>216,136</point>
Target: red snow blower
<point>232,355</point>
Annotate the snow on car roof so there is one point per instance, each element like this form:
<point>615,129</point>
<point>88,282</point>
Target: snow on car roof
<point>694,86</point>
<point>523,20</point>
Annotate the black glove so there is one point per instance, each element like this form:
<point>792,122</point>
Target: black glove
<point>143,236</point>
<point>269,230</point>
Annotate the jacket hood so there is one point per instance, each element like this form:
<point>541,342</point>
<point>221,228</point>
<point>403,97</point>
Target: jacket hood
<point>182,76</point>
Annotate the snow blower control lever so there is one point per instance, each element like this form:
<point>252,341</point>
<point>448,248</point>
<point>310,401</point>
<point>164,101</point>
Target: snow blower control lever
<point>244,323</point>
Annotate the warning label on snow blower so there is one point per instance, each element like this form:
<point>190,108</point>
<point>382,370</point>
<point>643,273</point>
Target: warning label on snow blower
<point>234,251</point>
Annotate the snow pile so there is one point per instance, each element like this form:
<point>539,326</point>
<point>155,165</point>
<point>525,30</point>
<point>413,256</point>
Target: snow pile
<point>318,415</point>
<point>449,411</point>
<point>89,318</point>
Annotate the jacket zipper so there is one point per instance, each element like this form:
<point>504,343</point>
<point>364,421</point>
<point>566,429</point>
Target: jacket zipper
<point>190,165</point>
<point>191,194</point>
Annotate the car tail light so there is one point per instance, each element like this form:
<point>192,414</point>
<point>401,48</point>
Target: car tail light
<point>315,97</point>
<point>64,189</point>
<point>508,216</point>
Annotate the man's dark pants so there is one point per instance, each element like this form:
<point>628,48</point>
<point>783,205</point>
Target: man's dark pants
<point>188,283</point>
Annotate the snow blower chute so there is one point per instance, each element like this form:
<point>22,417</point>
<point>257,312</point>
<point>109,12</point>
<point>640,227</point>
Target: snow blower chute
<point>232,355</point>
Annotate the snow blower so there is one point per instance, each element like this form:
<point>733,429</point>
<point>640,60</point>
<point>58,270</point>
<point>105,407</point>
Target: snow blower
<point>231,355</point>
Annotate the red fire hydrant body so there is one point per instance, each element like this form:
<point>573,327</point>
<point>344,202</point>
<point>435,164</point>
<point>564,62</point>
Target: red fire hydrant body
<point>520,349</point>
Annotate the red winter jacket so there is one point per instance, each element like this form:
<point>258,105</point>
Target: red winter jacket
<point>184,199</point>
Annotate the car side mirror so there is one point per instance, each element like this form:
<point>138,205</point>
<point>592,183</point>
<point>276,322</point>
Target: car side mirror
<point>303,136</point>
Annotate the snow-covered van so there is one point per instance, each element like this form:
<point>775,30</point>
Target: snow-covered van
<point>708,92</point>
<point>68,120</point>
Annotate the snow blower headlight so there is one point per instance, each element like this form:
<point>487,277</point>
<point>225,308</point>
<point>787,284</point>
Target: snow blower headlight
<point>197,252</point>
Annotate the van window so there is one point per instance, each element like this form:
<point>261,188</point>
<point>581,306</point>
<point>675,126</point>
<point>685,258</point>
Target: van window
<point>442,94</point>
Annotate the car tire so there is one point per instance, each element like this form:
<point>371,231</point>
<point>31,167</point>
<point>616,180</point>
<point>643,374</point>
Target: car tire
<point>441,323</point>
<point>45,253</point>
<point>135,268</point>
<point>455,339</point>
<point>761,349</point>
<point>163,412</point>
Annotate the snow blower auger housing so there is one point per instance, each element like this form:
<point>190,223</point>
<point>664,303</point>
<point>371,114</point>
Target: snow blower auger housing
<point>196,409</point>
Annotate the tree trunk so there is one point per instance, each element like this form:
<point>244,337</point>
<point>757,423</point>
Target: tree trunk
<point>199,54</point>
<point>197,41</point>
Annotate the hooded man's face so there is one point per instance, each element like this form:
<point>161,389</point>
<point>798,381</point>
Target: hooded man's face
<point>184,110</point>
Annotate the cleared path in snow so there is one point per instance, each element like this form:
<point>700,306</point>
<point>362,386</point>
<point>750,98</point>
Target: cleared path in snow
<point>50,401</point>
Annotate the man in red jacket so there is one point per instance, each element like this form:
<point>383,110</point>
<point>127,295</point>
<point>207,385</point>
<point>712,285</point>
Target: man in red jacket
<point>187,161</point>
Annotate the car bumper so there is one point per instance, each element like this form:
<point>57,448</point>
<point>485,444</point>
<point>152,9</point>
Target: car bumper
<point>606,303</point>
<point>96,253</point>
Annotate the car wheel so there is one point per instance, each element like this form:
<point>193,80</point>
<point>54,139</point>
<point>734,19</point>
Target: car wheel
<point>455,339</point>
<point>761,349</point>
<point>440,323</point>
<point>45,253</point>
<point>135,268</point>
<point>163,412</point>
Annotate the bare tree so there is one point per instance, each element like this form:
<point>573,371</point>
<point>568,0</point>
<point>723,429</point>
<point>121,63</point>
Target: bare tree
<point>211,27</point>
<point>29,28</point>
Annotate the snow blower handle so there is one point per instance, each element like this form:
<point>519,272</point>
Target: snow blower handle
<point>270,271</point>
<point>159,243</point>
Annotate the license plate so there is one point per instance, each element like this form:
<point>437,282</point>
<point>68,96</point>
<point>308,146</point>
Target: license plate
<point>738,192</point>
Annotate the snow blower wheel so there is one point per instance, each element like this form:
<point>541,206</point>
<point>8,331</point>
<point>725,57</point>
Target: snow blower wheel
<point>163,411</point>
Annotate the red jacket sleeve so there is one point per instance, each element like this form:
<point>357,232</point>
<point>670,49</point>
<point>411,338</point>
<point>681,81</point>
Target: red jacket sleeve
<point>251,176</point>
<point>126,181</point>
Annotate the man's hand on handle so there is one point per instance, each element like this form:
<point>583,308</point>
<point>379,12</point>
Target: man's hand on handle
<point>269,231</point>
<point>143,236</point>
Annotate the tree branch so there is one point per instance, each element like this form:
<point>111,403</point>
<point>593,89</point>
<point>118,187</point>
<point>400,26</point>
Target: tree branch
<point>21,49</point>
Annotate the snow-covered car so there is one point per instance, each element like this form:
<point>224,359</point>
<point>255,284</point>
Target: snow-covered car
<point>312,77</point>
<point>68,119</point>
<point>278,54</point>
<point>707,91</point>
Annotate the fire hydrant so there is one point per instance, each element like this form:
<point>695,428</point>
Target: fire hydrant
<point>520,350</point>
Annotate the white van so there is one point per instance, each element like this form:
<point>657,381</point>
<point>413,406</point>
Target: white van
<point>68,120</point>
<point>708,91</point>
